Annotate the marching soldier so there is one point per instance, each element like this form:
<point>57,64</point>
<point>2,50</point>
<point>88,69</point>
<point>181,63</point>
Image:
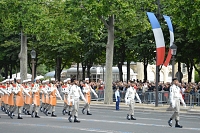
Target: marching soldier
<point>53,94</point>
<point>175,99</point>
<point>130,100</point>
<point>65,91</point>
<point>74,94</point>
<point>43,93</point>
<point>11,100</point>
<point>87,89</point>
<point>3,92</point>
<point>19,99</point>
<point>28,99</point>
<point>47,91</point>
<point>6,96</point>
<point>36,98</point>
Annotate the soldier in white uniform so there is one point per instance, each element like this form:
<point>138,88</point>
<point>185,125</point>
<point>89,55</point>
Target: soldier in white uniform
<point>36,98</point>
<point>175,99</point>
<point>87,89</point>
<point>130,100</point>
<point>65,90</point>
<point>74,94</point>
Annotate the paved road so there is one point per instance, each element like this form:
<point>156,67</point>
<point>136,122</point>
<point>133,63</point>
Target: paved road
<point>103,120</point>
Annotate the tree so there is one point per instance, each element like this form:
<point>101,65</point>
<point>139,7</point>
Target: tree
<point>185,16</point>
<point>125,13</point>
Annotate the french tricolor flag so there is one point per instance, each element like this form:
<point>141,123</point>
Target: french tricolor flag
<point>171,32</point>
<point>159,38</point>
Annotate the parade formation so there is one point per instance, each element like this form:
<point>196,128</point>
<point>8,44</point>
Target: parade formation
<point>42,96</point>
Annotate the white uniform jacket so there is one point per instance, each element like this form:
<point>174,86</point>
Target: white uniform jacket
<point>75,93</point>
<point>175,93</point>
<point>130,95</point>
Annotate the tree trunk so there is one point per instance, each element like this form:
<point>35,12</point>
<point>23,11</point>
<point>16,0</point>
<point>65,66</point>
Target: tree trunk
<point>120,71</point>
<point>109,62</point>
<point>88,71</point>
<point>23,57</point>
<point>128,71</point>
<point>77,69</point>
<point>145,69</point>
<point>58,68</point>
<point>11,67</point>
<point>189,70</point>
<point>179,72</point>
<point>6,71</point>
<point>83,72</point>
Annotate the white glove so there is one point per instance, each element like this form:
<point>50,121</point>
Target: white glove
<point>140,102</point>
<point>173,104</point>
<point>96,96</point>
<point>184,105</point>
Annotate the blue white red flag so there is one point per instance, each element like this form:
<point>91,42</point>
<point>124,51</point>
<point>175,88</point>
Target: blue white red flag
<point>171,32</point>
<point>159,38</point>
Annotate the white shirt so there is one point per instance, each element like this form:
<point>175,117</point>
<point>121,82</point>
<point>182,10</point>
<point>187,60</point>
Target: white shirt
<point>130,94</point>
<point>117,94</point>
<point>75,93</point>
<point>175,93</point>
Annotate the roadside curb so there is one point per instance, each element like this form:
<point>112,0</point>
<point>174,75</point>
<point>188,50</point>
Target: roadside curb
<point>142,107</point>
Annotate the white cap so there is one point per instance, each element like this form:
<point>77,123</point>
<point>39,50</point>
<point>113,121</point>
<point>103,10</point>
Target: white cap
<point>18,78</point>
<point>53,79</point>
<point>37,78</point>
<point>44,81</point>
<point>24,81</point>
<point>47,80</point>
<point>7,80</point>
<point>28,80</point>
<point>86,78</point>
<point>3,81</point>
<point>68,79</point>
<point>12,79</point>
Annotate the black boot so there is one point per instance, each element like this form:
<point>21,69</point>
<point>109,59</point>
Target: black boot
<point>32,114</point>
<point>45,112</point>
<point>132,118</point>
<point>24,110</point>
<point>69,113</point>
<point>177,125</point>
<point>170,122</point>
<point>6,111</point>
<point>76,120</point>
<point>63,111</point>
<point>36,115</point>
<point>3,108</point>
<point>11,115</point>
<point>88,113</point>
<point>128,117</point>
<point>41,109</point>
<point>53,115</point>
<point>19,116</point>
<point>70,118</point>
<point>28,113</point>
<point>83,110</point>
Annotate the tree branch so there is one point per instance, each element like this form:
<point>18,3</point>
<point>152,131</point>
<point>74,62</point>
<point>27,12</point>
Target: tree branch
<point>104,22</point>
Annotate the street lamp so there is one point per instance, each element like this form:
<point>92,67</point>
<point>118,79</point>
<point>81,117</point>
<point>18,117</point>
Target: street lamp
<point>33,56</point>
<point>173,52</point>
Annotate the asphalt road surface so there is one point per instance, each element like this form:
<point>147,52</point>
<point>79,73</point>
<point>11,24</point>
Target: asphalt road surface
<point>103,120</point>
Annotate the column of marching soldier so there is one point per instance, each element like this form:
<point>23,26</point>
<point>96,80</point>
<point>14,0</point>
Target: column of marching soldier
<point>28,97</point>
<point>21,96</point>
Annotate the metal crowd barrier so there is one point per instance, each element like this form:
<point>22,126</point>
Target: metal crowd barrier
<point>149,97</point>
